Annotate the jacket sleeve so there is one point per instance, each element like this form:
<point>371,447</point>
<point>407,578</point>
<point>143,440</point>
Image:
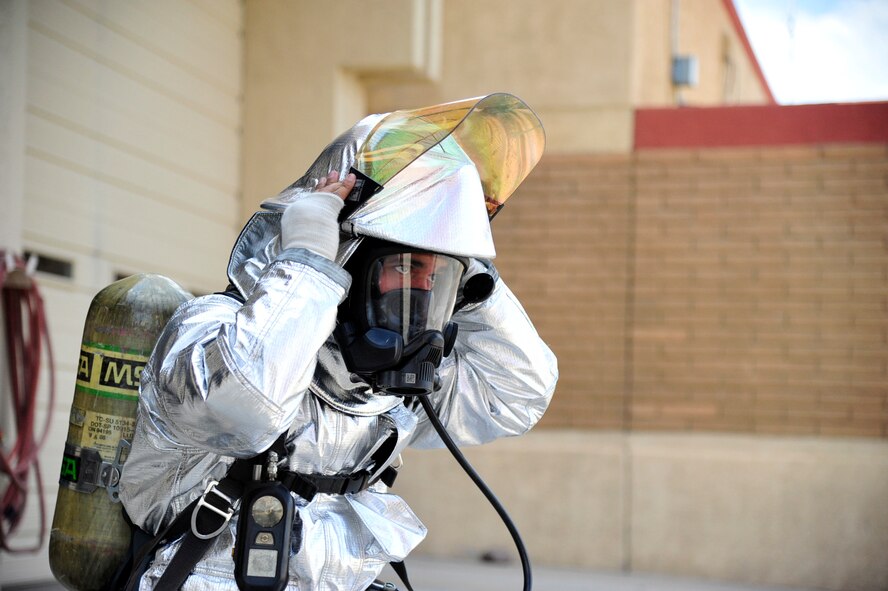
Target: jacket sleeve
<point>499,379</point>
<point>229,378</point>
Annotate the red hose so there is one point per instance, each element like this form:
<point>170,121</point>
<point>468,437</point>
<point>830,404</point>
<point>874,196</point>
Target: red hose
<point>25,333</point>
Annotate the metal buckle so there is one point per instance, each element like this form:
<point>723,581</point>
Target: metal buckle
<point>111,472</point>
<point>226,515</point>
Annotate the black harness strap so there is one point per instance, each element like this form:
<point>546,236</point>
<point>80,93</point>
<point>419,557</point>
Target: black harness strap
<point>206,516</point>
<point>204,519</point>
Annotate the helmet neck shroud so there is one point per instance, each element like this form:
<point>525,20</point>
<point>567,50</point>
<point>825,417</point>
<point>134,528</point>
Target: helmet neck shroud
<point>394,327</point>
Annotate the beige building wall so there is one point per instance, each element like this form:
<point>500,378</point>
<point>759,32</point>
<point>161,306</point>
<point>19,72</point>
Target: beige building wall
<point>569,61</point>
<point>705,30</point>
<point>727,75</point>
<point>719,317</point>
<point>583,66</point>
<point>305,62</point>
<point>144,144</point>
<point>127,160</point>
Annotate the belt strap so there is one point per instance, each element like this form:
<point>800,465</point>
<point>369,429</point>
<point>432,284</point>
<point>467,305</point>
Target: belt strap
<point>308,485</point>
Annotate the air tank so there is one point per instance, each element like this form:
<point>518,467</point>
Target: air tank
<point>89,536</point>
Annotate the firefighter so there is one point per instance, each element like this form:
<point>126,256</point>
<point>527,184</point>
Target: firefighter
<point>330,331</point>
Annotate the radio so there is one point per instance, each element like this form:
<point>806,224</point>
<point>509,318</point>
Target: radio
<point>262,548</point>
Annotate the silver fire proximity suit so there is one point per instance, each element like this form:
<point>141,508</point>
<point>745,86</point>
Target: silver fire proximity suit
<point>226,378</point>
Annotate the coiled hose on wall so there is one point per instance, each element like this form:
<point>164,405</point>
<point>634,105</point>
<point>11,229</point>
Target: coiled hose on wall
<point>26,338</point>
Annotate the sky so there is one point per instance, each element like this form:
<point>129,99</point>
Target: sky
<point>820,51</point>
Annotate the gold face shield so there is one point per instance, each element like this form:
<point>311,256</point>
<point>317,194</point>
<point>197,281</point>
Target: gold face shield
<point>500,134</point>
<point>447,170</point>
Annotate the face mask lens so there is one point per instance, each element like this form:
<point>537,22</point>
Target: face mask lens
<point>411,293</point>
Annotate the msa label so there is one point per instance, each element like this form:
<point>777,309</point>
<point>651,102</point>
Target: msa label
<point>109,373</point>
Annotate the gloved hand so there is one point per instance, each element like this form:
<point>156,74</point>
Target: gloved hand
<point>311,221</point>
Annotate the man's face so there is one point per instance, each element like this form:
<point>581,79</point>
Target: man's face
<point>412,292</point>
<point>416,271</point>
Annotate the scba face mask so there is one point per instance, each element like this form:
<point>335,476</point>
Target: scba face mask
<point>394,327</point>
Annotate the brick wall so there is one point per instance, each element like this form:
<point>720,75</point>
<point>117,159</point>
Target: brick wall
<point>727,289</point>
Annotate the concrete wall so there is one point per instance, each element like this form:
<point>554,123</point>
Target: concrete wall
<point>776,511</point>
<point>128,156</point>
<point>582,65</point>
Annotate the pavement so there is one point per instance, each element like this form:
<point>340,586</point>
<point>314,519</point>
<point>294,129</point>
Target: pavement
<point>427,574</point>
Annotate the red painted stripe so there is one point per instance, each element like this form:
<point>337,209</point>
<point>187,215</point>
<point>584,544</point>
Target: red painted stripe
<point>765,125</point>
<point>741,32</point>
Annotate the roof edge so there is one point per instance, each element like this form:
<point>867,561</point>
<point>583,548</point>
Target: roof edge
<point>761,125</point>
<point>744,40</point>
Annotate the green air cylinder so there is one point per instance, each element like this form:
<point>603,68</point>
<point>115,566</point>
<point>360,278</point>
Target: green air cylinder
<point>89,537</point>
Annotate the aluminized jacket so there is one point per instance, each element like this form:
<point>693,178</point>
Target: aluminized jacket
<point>226,379</point>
